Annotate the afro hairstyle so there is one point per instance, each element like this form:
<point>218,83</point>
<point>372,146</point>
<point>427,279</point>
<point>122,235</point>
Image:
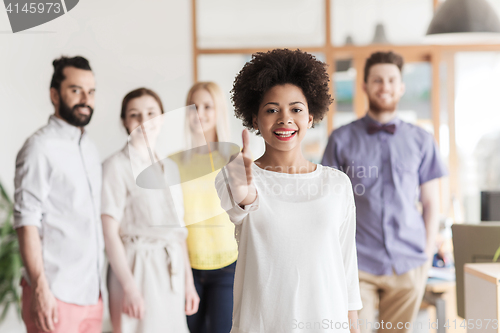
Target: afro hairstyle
<point>277,67</point>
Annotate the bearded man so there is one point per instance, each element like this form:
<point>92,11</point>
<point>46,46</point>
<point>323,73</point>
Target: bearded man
<point>57,210</point>
<point>392,164</point>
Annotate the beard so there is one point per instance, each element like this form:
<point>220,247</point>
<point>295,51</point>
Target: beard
<point>378,108</point>
<point>71,115</point>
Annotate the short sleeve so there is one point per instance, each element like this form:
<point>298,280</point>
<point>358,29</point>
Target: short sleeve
<point>330,155</point>
<point>347,238</point>
<point>431,166</point>
<point>235,212</point>
<point>32,185</point>
<point>114,188</point>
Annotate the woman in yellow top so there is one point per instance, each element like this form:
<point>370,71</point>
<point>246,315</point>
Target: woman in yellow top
<point>211,243</point>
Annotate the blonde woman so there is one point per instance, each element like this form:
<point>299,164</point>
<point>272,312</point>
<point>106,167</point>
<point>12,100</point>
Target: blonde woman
<point>211,244</point>
<point>150,281</point>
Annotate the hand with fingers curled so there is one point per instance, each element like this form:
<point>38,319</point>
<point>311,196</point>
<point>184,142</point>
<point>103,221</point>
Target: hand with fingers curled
<point>133,302</point>
<point>192,299</point>
<point>44,309</point>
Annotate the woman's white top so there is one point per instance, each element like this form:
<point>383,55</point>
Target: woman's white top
<point>297,268</point>
<point>153,234</point>
<point>156,214</point>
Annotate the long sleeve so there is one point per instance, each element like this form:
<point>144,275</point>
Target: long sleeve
<point>32,185</point>
<point>347,240</point>
<point>235,212</point>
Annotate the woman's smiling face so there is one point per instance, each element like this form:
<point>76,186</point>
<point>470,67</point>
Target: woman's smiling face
<point>283,117</point>
<point>206,113</point>
<point>142,110</point>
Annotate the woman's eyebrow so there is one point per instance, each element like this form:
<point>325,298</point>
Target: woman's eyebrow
<point>296,103</point>
<point>274,103</point>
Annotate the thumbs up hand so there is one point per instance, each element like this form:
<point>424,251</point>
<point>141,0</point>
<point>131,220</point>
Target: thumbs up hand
<point>247,156</point>
<point>239,174</point>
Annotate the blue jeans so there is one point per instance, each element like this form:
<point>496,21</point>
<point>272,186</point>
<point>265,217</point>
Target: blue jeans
<point>215,288</point>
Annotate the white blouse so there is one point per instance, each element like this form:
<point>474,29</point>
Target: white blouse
<point>297,266</point>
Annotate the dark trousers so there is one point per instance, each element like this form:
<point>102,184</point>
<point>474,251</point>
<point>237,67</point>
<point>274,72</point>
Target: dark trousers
<point>215,288</point>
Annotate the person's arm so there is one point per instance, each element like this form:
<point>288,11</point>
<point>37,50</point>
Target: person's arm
<point>192,298</point>
<point>353,321</point>
<point>431,169</point>
<point>44,304</point>
<point>133,302</point>
<point>429,196</point>
<point>347,236</point>
<point>239,175</point>
<point>32,187</point>
<point>235,187</point>
<point>113,202</point>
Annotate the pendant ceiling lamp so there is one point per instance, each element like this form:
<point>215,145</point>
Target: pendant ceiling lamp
<point>380,36</point>
<point>464,21</point>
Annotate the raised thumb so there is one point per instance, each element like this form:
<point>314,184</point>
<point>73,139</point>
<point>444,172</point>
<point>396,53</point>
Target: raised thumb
<point>246,141</point>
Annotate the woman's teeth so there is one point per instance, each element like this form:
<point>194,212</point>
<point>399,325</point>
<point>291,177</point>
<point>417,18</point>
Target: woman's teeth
<point>285,134</point>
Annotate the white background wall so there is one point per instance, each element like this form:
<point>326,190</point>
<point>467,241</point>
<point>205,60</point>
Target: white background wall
<point>128,43</point>
<point>133,43</point>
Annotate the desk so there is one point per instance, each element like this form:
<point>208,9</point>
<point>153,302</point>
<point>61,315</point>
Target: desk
<point>482,296</point>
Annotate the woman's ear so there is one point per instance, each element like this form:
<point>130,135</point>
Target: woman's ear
<point>311,121</point>
<point>254,123</point>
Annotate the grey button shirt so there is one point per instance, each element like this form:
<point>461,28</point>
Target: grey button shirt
<point>58,189</point>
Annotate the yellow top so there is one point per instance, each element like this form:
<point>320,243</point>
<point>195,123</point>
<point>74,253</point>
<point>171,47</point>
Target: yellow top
<point>211,243</point>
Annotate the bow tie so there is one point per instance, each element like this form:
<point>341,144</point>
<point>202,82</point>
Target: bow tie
<point>374,128</point>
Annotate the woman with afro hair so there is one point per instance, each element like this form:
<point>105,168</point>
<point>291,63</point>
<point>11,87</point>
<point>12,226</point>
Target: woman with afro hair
<point>295,220</point>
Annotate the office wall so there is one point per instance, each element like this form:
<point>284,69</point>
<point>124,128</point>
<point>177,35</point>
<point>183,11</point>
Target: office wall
<point>128,43</point>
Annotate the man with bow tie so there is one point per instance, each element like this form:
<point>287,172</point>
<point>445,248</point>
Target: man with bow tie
<point>392,164</point>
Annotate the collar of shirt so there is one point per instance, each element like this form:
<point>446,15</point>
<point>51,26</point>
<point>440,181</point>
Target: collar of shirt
<point>70,132</point>
<point>369,120</point>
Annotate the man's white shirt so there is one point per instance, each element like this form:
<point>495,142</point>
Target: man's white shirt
<point>58,189</point>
